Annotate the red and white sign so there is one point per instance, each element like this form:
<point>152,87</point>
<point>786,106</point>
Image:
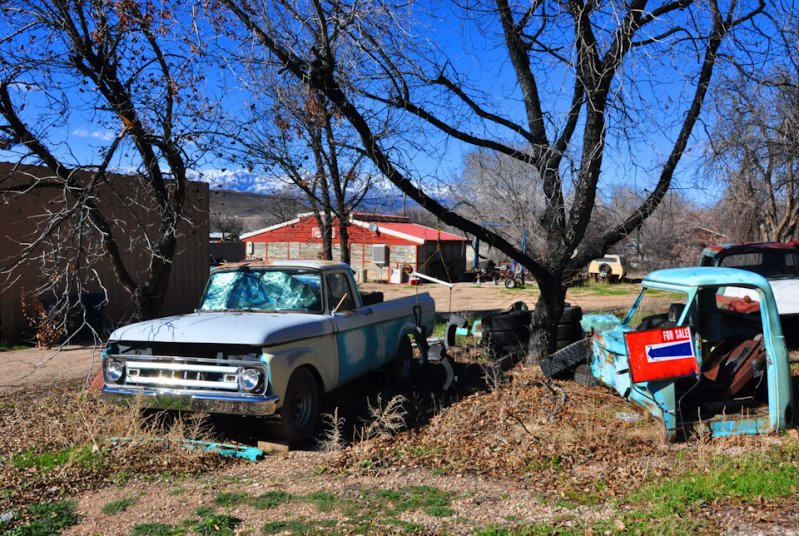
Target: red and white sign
<point>658,354</point>
<point>317,233</point>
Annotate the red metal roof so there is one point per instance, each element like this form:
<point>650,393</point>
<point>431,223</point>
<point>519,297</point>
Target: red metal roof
<point>428,234</point>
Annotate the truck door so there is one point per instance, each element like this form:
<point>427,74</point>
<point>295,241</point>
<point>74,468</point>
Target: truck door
<point>357,336</point>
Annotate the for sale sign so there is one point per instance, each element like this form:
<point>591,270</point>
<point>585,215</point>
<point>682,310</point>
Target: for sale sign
<point>658,354</point>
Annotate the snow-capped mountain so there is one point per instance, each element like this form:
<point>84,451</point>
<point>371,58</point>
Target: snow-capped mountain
<point>383,196</point>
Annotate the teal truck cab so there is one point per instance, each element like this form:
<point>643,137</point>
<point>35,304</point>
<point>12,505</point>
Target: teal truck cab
<point>701,350</point>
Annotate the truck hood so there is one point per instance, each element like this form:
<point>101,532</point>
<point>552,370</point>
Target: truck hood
<point>253,329</point>
<point>786,294</point>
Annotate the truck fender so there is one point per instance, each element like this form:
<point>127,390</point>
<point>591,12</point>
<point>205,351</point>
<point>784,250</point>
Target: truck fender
<point>283,364</point>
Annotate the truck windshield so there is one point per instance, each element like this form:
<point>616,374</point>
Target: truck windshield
<point>268,289</point>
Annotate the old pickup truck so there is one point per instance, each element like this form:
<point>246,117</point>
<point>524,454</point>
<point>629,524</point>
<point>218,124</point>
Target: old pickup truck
<point>695,355</point>
<point>267,339</point>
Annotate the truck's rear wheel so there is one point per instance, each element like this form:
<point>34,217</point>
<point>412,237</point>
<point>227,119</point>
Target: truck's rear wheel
<point>301,406</point>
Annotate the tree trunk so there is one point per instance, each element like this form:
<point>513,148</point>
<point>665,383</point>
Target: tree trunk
<point>344,239</point>
<point>544,322</point>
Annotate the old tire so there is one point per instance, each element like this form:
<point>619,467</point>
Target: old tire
<point>510,283</point>
<point>300,407</point>
<point>584,376</point>
<point>506,320</point>
<point>569,332</point>
<point>605,270</point>
<point>571,315</point>
<point>565,360</point>
<point>450,334</point>
<point>399,370</point>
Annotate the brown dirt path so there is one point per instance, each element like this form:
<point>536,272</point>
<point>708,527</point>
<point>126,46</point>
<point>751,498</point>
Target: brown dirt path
<point>24,368</point>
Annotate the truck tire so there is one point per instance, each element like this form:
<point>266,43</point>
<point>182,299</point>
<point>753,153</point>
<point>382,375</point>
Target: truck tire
<point>398,371</point>
<point>565,360</point>
<point>510,283</point>
<point>301,406</point>
<point>584,376</point>
<point>605,270</point>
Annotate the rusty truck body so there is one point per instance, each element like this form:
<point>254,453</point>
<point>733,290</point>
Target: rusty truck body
<point>701,350</point>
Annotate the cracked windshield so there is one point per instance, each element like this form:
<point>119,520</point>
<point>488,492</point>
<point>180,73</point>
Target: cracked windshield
<point>264,290</point>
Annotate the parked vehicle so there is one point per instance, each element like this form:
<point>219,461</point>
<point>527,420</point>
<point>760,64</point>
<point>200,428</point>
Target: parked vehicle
<point>610,268</point>
<point>267,339</point>
<point>776,261</point>
<point>696,355</point>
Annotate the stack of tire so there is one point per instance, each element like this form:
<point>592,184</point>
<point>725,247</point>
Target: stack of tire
<point>506,334</point>
<point>573,348</point>
<point>569,328</point>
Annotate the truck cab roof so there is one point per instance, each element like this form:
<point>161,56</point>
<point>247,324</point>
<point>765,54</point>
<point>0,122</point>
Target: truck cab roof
<point>702,276</point>
<point>313,264</point>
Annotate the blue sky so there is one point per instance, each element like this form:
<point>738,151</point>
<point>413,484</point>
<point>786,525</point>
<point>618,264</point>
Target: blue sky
<point>473,51</point>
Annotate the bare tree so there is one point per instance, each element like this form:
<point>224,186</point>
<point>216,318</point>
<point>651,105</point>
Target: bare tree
<point>294,131</point>
<point>114,70</point>
<point>754,145</point>
<point>366,59</point>
<point>505,195</point>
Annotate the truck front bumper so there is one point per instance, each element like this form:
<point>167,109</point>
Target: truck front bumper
<point>204,402</point>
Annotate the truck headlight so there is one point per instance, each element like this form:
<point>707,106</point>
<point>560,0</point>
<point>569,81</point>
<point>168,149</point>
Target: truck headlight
<point>250,379</point>
<point>114,370</point>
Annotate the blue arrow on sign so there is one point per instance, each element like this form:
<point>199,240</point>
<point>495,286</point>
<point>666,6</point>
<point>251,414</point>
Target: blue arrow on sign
<point>669,350</point>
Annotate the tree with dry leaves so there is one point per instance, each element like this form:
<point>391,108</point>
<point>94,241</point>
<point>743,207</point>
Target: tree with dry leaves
<point>87,88</point>
<point>585,83</point>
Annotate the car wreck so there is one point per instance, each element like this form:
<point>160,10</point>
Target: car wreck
<point>701,350</point>
<point>267,339</point>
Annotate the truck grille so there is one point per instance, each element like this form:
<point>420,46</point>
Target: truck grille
<point>185,373</point>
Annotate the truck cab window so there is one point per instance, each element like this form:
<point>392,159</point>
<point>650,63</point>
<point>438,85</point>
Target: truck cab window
<point>338,287</point>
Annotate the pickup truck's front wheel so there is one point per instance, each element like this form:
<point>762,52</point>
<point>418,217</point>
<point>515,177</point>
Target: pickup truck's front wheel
<point>301,406</point>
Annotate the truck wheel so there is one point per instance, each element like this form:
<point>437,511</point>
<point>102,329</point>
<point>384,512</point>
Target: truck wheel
<point>301,406</point>
<point>510,283</point>
<point>566,359</point>
<point>584,376</point>
<point>400,368</point>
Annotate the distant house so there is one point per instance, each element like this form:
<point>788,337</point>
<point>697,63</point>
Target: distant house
<point>408,246</point>
<point>21,213</point>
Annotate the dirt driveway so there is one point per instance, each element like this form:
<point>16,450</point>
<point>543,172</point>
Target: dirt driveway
<point>21,368</point>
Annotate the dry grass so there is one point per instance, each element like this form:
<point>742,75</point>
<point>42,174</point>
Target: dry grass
<point>562,438</point>
<point>385,420</point>
<point>61,440</point>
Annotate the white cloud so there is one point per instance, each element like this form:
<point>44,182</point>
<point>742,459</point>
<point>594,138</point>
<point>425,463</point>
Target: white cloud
<point>104,135</point>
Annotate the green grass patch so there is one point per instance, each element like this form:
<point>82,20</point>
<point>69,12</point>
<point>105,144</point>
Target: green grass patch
<point>324,502</point>
<point>748,479</point>
<point>120,505</point>
<point>591,288</point>
<point>47,461</point>
<point>212,523</point>
<point>232,499</point>
<point>431,500</point>
<point>45,519</point>
<point>270,499</point>
<point>5,347</point>
<point>294,526</point>
<point>156,529</point>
